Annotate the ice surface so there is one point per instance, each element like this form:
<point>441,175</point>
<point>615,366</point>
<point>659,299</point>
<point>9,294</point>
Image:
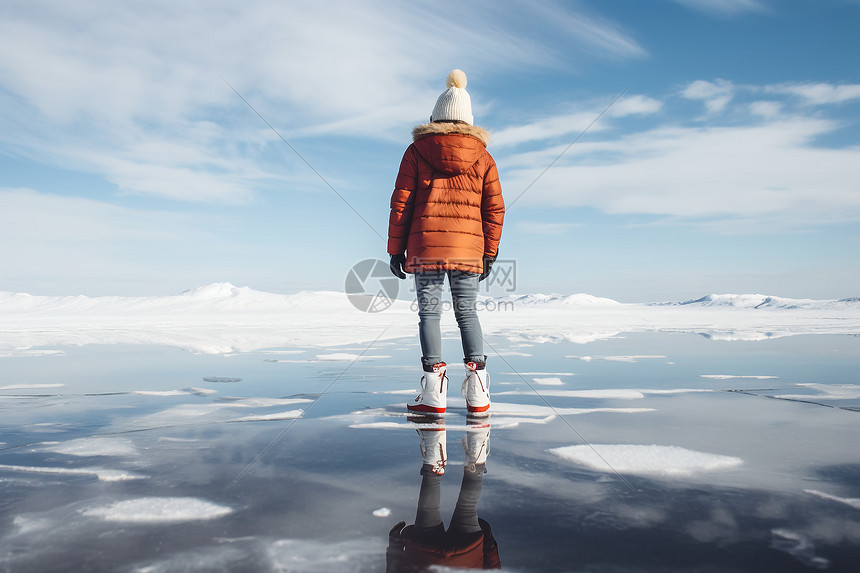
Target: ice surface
<point>137,457</point>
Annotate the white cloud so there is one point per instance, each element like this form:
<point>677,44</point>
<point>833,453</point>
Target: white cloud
<point>763,169</point>
<point>543,129</point>
<point>818,94</point>
<point>574,123</point>
<point>593,32</point>
<point>134,92</point>
<point>716,94</point>
<point>636,104</point>
<point>766,109</point>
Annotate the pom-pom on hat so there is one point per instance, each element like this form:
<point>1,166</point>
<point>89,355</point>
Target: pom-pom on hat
<point>454,104</point>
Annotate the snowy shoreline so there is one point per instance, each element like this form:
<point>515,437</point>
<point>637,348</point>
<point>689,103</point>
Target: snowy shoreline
<point>224,319</point>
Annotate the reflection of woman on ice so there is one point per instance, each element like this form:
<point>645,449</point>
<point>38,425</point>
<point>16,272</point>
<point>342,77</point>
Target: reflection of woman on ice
<point>446,220</point>
<point>468,543</point>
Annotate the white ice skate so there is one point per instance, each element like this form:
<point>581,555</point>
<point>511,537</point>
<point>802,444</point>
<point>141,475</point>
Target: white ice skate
<point>434,392</point>
<point>476,389</point>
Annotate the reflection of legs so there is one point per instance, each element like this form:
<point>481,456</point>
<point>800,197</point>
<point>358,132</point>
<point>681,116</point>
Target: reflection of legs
<point>476,444</point>
<point>428,287</point>
<point>464,291</point>
<point>428,519</point>
<point>465,518</point>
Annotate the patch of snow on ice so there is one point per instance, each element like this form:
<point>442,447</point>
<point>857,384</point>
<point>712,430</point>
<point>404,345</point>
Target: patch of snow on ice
<point>345,357</point>
<point>221,379</point>
<point>382,512</point>
<point>850,501</point>
<point>507,422</point>
<point>159,510</point>
<point>652,460</point>
<point>732,376</point>
<point>101,473</point>
<point>608,393</point>
<point>381,425</point>
<point>631,358</point>
<point>506,409</point>
<point>289,415</point>
<point>554,381</point>
<point>161,392</point>
<point>395,391</point>
<point>537,373</point>
<point>94,446</point>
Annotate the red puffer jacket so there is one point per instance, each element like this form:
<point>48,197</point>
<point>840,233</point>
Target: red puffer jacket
<point>447,208</point>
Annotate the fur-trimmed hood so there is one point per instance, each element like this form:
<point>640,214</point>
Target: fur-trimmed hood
<point>439,128</point>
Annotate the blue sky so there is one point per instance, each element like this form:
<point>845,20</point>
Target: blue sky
<point>731,164</point>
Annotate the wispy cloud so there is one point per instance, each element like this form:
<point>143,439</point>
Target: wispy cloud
<point>564,125</point>
<point>761,162</point>
<point>818,94</point>
<point>136,94</point>
<point>716,95</point>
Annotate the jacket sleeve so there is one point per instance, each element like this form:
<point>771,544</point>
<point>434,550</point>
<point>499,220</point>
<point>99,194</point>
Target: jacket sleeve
<point>492,210</point>
<point>402,201</point>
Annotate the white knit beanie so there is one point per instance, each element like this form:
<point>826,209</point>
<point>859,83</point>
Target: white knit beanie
<point>454,103</point>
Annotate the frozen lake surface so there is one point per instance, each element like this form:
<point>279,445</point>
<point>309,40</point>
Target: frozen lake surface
<point>643,452</point>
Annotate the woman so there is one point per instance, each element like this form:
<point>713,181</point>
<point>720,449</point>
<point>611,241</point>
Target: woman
<point>446,221</point>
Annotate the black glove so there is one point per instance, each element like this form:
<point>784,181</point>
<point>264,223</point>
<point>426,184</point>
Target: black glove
<point>397,263</point>
<point>488,264</point>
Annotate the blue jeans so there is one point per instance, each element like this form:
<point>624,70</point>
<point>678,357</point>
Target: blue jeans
<point>464,291</point>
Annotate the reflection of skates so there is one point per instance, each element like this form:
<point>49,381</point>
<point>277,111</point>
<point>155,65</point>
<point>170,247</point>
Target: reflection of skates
<point>434,390</point>
<point>476,388</point>
<point>433,443</point>
<point>476,444</point>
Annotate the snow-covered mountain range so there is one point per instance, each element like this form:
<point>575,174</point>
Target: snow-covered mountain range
<point>765,301</point>
<point>222,318</point>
